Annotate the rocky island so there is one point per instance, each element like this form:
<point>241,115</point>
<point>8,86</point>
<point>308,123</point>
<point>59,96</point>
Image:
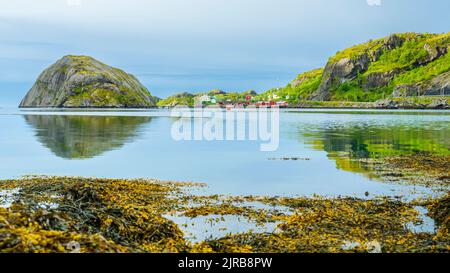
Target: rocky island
<point>83,82</point>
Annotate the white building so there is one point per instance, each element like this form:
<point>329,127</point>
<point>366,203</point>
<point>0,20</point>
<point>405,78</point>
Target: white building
<point>204,98</point>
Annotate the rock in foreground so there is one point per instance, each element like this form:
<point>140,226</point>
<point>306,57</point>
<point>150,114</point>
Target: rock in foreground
<point>54,214</point>
<point>81,81</point>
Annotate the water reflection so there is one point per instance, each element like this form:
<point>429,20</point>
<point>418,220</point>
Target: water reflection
<point>345,142</point>
<point>83,137</point>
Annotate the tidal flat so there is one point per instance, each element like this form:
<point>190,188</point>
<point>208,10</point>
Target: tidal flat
<point>73,214</point>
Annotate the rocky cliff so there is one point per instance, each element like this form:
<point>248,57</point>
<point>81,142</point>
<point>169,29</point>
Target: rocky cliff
<point>81,81</point>
<point>399,65</point>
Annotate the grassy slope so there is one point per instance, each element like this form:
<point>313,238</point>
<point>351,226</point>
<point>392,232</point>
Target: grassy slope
<point>299,89</point>
<point>184,99</point>
<point>401,58</point>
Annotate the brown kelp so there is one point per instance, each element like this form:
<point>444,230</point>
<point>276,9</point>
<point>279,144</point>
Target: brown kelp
<point>52,214</point>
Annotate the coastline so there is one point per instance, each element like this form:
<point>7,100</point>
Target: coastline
<point>404,103</point>
<point>408,103</point>
<point>47,214</point>
<point>114,215</point>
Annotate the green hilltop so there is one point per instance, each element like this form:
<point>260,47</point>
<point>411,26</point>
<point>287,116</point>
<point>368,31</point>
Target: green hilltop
<point>400,65</point>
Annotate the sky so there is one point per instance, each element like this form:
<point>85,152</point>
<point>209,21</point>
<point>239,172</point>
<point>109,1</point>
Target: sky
<point>197,45</point>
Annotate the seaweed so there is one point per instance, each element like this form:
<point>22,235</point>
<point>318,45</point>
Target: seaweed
<point>66,214</point>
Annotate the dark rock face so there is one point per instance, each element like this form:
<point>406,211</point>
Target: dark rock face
<point>434,52</point>
<point>183,95</point>
<point>251,92</point>
<point>378,79</point>
<point>392,42</point>
<point>439,85</point>
<point>376,65</point>
<point>339,72</point>
<point>81,81</point>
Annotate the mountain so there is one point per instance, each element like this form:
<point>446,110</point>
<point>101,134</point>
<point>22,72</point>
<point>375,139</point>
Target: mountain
<point>82,81</point>
<point>399,65</point>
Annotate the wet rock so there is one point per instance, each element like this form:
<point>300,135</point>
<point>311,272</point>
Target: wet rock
<point>82,81</point>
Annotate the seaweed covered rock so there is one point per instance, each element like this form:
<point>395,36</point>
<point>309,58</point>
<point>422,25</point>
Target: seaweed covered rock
<point>51,214</point>
<point>82,81</point>
<point>101,215</point>
<point>439,210</point>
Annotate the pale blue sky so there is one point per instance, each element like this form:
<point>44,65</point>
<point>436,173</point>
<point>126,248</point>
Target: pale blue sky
<point>198,45</point>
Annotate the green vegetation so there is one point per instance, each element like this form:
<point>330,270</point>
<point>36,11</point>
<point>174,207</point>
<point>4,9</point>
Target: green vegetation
<point>99,97</point>
<point>299,89</point>
<point>352,91</point>
<point>335,104</point>
<point>411,51</point>
<point>367,72</point>
<point>377,68</point>
<point>357,50</point>
<point>424,73</point>
<point>182,99</point>
<point>188,99</point>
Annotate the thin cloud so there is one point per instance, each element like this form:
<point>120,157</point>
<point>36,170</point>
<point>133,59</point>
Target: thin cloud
<point>374,2</point>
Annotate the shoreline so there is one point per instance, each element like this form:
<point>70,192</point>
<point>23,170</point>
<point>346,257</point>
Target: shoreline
<point>404,103</point>
<point>45,213</point>
<point>331,107</point>
<point>401,103</point>
<point>48,214</point>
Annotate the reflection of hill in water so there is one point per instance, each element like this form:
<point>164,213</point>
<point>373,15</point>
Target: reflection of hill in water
<point>77,137</point>
<point>344,143</point>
